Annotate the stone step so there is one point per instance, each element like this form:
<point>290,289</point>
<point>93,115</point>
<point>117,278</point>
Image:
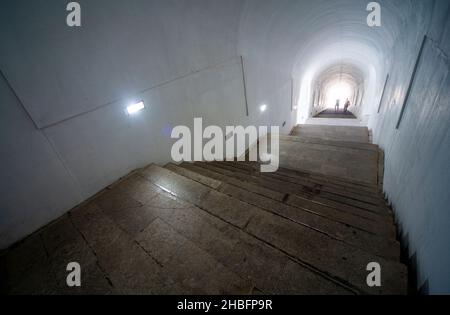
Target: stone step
<point>370,225</point>
<point>337,143</point>
<point>325,189</point>
<point>183,250</point>
<point>374,203</point>
<point>267,268</point>
<point>189,264</point>
<point>149,262</point>
<point>336,259</point>
<point>343,187</point>
<point>370,190</point>
<point>328,132</point>
<point>389,249</point>
<point>354,165</point>
<point>339,182</point>
<point>351,167</point>
<point>346,187</point>
<point>344,204</point>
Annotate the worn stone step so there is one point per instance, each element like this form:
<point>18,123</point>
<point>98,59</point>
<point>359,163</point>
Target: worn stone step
<point>334,133</point>
<point>38,264</point>
<point>290,176</point>
<point>331,180</point>
<point>282,186</point>
<point>376,205</point>
<point>389,249</point>
<point>218,204</point>
<point>313,193</point>
<point>347,183</point>
<point>135,267</point>
<point>334,258</point>
<point>338,143</point>
<point>351,191</point>
<point>360,174</point>
<point>327,191</point>
<point>267,268</point>
<point>344,190</point>
<point>358,166</point>
<point>339,182</point>
<point>188,264</point>
<point>221,176</point>
<point>362,220</point>
<point>307,178</point>
<point>372,225</point>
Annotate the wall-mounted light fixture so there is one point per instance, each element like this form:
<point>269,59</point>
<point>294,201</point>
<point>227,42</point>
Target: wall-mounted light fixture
<point>263,108</point>
<point>134,108</point>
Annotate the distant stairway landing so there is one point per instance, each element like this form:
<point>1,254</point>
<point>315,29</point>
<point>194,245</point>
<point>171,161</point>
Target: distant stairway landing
<point>331,113</point>
<point>339,151</point>
<point>334,133</point>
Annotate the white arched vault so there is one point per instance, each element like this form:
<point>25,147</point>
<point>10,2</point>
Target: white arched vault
<point>298,40</point>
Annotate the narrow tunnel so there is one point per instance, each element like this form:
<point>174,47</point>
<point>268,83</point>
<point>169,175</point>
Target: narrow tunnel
<point>92,91</point>
<point>338,83</point>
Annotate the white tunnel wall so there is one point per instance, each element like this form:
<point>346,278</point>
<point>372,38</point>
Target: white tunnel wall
<point>417,154</point>
<point>65,135</point>
<point>70,90</point>
<point>35,185</point>
<point>121,49</point>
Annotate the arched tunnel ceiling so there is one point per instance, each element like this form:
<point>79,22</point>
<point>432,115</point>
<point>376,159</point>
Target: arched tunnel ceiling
<point>308,37</point>
<point>340,72</point>
<point>146,43</point>
<point>340,81</point>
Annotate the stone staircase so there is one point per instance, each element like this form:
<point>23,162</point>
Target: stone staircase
<point>222,228</point>
<point>332,232</point>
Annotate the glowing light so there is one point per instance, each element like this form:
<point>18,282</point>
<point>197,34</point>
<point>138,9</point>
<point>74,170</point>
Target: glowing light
<point>339,91</point>
<point>134,108</point>
<point>263,108</point>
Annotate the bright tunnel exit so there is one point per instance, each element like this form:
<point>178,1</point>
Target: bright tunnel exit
<point>321,88</point>
<point>338,91</point>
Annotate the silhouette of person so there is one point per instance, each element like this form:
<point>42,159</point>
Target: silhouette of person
<point>336,107</point>
<point>346,106</point>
